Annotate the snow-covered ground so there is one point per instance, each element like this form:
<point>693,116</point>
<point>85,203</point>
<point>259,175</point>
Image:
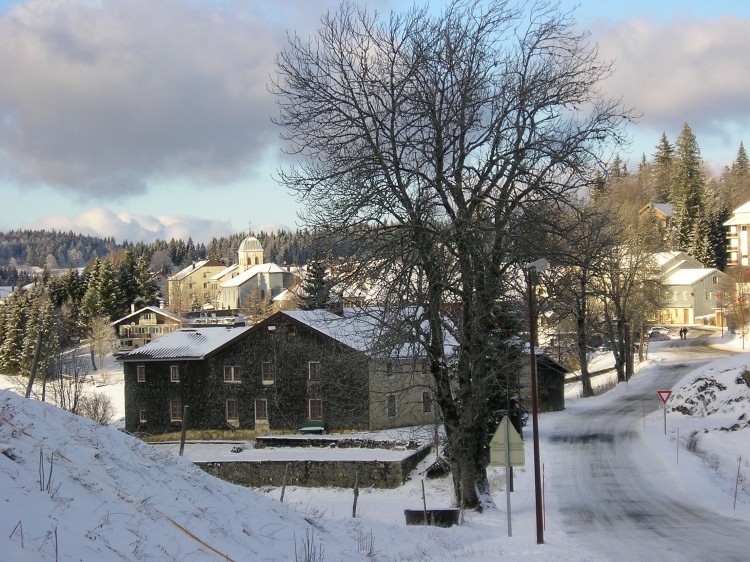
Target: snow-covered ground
<point>72,490</point>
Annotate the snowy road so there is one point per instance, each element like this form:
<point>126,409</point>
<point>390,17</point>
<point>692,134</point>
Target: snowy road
<point>612,494</point>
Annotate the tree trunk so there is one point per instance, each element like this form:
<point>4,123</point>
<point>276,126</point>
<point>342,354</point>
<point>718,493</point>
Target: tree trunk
<point>581,335</point>
<point>34,363</point>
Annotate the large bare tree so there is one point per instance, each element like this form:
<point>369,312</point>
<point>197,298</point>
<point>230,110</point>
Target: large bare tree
<point>423,139</point>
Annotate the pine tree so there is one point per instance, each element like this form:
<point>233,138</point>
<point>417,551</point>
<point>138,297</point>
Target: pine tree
<point>315,287</point>
<point>687,188</point>
<point>147,291</point>
<point>661,173</point>
<point>14,328</point>
<point>717,240</point>
<point>126,284</point>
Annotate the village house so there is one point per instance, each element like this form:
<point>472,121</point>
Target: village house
<point>294,371</point>
<point>190,287</point>
<point>738,242</point>
<point>695,294</point>
<point>143,326</point>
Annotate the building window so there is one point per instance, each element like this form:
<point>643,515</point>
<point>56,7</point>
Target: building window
<point>232,374</point>
<point>267,372</point>
<point>715,279</point>
<point>313,371</point>
<point>426,402</point>
<point>708,295</point>
<point>174,373</point>
<point>175,410</point>
<point>390,405</point>
<point>684,295</point>
<point>291,332</point>
<point>389,369</point>
<point>232,412</point>
<point>141,373</point>
<point>315,409</point>
<point>142,416</point>
<point>261,410</point>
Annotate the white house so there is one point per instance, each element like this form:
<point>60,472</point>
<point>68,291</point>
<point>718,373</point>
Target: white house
<point>738,243</point>
<point>695,296</point>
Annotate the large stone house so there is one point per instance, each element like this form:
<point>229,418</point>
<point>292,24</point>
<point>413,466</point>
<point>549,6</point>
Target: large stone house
<point>294,371</point>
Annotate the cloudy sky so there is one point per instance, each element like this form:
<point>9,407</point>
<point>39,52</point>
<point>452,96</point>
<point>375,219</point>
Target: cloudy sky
<point>144,119</point>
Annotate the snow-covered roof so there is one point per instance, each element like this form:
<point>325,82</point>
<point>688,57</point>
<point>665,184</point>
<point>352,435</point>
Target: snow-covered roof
<point>740,216</point>
<point>154,309</point>
<point>189,269</point>
<point>225,271</point>
<point>360,329</point>
<point>252,272</point>
<point>187,344</point>
<point>285,295</point>
<point>688,276</point>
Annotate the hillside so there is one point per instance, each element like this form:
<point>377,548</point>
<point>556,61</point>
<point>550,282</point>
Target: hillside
<point>73,490</point>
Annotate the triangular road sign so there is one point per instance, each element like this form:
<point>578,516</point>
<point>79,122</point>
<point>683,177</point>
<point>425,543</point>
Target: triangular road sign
<point>515,446</point>
<point>664,395</point>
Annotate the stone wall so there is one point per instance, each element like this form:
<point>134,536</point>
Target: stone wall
<point>342,474</point>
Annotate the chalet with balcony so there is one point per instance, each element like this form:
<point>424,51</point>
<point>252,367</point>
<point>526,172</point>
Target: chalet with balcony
<point>143,326</point>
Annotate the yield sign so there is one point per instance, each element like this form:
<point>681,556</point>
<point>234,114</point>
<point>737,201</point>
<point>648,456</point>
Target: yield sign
<point>664,395</point>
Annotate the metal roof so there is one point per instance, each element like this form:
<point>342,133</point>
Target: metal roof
<point>187,344</point>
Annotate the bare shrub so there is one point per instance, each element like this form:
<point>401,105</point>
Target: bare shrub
<point>97,407</point>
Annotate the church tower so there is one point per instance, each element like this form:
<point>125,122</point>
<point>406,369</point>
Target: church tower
<point>250,253</point>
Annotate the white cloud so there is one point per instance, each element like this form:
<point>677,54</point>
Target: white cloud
<point>126,226</point>
<point>687,70</point>
<point>104,98</point>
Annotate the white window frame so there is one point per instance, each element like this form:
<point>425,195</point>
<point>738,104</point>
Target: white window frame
<point>232,374</point>
<point>174,373</point>
<point>140,373</point>
<point>313,374</point>
<point>141,416</point>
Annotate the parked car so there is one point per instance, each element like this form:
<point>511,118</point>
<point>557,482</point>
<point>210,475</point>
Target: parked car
<point>663,329</point>
<point>657,335</point>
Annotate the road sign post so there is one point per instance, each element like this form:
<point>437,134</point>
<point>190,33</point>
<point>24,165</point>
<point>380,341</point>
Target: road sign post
<point>664,396</point>
<point>506,449</point>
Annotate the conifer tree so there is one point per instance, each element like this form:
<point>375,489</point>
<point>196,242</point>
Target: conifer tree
<point>146,289</point>
<point>661,174</point>
<point>687,188</point>
<point>14,327</point>
<point>315,287</point>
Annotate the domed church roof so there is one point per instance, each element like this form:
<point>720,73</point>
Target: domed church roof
<point>251,244</point>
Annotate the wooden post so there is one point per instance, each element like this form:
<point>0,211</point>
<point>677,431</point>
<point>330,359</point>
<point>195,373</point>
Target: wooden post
<point>283,483</point>
<point>356,495</point>
<point>185,410</point>
<point>424,503</point>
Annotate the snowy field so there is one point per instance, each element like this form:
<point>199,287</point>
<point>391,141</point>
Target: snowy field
<point>72,490</point>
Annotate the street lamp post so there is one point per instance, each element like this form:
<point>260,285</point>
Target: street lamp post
<point>531,271</point>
